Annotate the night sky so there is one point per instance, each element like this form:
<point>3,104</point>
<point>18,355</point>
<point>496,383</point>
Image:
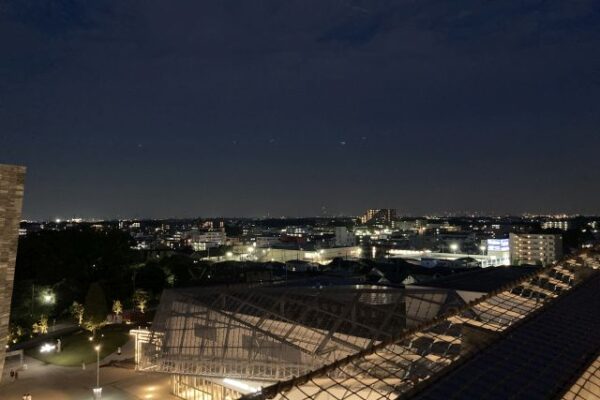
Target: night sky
<point>253,108</point>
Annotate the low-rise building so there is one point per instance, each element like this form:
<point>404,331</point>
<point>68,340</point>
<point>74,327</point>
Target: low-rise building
<point>202,240</point>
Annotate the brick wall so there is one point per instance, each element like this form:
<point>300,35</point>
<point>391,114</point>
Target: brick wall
<point>12,180</point>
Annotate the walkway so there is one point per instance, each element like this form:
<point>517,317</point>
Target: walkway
<point>45,381</point>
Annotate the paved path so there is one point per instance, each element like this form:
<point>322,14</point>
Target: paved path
<point>52,382</point>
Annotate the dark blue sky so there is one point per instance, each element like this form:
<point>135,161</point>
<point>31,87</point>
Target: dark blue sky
<point>186,108</point>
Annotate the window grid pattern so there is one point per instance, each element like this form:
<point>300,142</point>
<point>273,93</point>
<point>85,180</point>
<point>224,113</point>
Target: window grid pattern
<point>391,368</point>
<point>587,387</point>
<point>273,333</point>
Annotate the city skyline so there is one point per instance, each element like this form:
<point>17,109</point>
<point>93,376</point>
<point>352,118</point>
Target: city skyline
<point>215,108</point>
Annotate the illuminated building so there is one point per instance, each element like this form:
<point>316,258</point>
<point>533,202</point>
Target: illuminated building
<point>203,240</point>
<point>499,249</point>
<point>537,338</point>
<point>308,252</point>
<point>369,342</point>
<point>12,184</point>
<point>535,249</point>
<point>379,216</point>
<point>238,339</point>
<point>563,225</point>
<point>427,258</point>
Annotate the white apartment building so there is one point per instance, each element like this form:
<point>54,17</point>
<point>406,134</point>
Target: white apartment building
<point>556,224</point>
<point>535,249</point>
<point>206,239</point>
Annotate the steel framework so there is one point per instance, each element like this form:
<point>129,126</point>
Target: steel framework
<point>396,366</point>
<point>274,333</point>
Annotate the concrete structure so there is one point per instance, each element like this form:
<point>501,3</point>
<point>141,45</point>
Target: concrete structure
<point>535,249</point>
<point>500,249</point>
<point>267,241</point>
<point>430,259</point>
<point>223,342</point>
<point>532,339</point>
<point>206,239</point>
<point>365,342</point>
<point>343,237</point>
<point>308,253</point>
<point>12,181</point>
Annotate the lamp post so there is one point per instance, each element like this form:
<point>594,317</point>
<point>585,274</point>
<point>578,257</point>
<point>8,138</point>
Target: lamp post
<point>454,247</point>
<point>97,390</point>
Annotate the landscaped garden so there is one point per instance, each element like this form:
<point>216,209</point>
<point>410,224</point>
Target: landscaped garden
<point>77,348</point>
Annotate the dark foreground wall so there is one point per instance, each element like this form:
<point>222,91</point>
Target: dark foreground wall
<point>12,180</point>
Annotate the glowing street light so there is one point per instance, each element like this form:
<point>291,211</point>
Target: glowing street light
<point>47,296</point>
<point>454,247</point>
<point>97,390</point>
<point>47,348</point>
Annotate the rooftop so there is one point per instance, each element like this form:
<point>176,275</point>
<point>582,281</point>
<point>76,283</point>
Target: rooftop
<point>481,280</point>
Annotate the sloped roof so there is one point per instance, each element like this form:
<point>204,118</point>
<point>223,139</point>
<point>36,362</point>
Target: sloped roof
<point>239,331</point>
<point>537,360</point>
<point>416,358</point>
<point>483,280</point>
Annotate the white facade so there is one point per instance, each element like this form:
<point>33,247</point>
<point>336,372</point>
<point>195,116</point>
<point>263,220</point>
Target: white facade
<point>206,239</point>
<point>500,249</point>
<point>428,259</point>
<point>535,249</point>
<point>343,237</point>
<point>320,256</point>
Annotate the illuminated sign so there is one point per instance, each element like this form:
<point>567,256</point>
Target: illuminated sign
<point>498,245</point>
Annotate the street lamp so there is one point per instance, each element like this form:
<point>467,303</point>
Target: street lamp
<point>454,247</point>
<point>97,390</point>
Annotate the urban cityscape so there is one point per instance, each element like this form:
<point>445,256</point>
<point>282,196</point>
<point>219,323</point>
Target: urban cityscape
<point>187,195</point>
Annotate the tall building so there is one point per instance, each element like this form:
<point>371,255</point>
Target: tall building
<point>12,180</point>
<point>382,216</point>
<point>535,249</point>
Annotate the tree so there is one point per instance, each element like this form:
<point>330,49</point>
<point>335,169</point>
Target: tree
<point>140,299</point>
<point>117,307</point>
<point>15,333</point>
<point>77,311</point>
<point>41,326</point>
<point>152,278</point>
<point>95,308</point>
